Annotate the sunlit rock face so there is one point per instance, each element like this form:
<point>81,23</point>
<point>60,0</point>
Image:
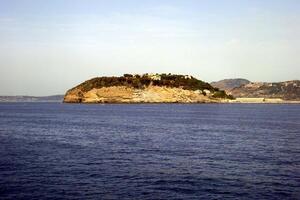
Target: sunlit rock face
<point>151,94</point>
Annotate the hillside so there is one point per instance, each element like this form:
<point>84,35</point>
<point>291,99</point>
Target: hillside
<point>149,88</point>
<point>288,90</point>
<point>229,84</point>
<point>53,98</point>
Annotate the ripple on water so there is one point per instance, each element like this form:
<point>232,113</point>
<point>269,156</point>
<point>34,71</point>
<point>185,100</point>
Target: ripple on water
<point>161,151</point>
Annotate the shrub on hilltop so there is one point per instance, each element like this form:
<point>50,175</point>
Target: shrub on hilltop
<point>222,94</point>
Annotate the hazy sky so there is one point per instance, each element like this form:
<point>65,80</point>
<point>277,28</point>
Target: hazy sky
<point>47,47</point>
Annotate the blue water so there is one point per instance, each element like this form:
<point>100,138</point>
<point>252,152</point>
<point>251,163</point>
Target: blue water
<point>159,151</point>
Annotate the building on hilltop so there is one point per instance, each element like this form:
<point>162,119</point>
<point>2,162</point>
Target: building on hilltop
<point>155,77</point>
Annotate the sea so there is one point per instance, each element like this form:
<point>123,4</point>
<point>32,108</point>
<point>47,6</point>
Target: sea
<point>149,151</point>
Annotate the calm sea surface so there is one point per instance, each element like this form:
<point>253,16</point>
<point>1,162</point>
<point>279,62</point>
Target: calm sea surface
<point>154,151</point>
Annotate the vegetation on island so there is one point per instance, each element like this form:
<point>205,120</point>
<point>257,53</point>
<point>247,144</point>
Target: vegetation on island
<point>163,80</point>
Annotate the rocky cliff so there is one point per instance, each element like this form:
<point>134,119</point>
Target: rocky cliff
<point>147,88</point>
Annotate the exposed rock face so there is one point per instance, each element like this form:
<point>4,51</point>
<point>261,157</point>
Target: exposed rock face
<point>229,84</point>
<point>151,94</point>
<point>144,89</point>
<point>289,90</point>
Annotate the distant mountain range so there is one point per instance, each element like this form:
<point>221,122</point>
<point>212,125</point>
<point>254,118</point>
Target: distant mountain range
<point>287,90</point>
<point>53,98</point>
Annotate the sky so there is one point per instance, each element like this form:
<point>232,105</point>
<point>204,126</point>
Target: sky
<point>48,47</point>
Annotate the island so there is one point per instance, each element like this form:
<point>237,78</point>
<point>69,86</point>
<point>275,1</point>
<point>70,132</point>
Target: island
<point>146,88</point>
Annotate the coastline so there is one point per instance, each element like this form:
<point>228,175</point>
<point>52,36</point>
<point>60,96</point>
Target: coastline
<point>211,102</point>
<point>263,101</point>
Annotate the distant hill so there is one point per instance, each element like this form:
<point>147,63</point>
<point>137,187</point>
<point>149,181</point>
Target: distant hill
<point>229,84</point>
<point>53,98</point>
<point>243,88</point>
<point>288,90</point>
